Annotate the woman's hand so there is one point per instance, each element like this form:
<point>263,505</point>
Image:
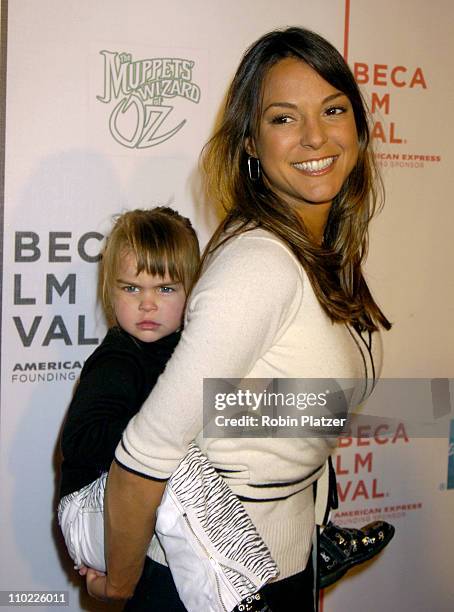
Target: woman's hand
<point>96,584</point>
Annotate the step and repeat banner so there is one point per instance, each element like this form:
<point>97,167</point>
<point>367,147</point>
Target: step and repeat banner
<point>108,106</point>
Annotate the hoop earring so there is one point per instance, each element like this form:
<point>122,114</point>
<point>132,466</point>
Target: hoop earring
<point>253,166</point>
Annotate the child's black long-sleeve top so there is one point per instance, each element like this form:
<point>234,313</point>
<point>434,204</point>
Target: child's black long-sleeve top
<point>114,382</point>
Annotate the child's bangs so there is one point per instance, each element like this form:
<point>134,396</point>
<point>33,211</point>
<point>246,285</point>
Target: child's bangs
<point>160,261</point>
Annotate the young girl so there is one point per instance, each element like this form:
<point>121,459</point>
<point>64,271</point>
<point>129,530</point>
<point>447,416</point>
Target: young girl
<point>147,267</point>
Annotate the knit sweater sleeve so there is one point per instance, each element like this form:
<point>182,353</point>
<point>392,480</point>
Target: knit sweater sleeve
<point>244,301</point>
<point>104,401</point>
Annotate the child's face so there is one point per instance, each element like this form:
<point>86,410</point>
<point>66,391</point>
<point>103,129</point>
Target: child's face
<point>147,306</point>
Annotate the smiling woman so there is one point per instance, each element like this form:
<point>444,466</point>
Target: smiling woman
<point>280,294</point>
<point>306,142</point>
<point>294,114</point>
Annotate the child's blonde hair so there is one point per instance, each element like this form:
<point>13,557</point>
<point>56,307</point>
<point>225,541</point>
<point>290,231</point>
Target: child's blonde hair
<point>161,240</point>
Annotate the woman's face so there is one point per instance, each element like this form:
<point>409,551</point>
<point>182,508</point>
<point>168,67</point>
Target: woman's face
<point>307,142</point>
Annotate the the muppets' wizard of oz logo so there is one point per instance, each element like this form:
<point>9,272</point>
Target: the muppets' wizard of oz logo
<point>142,91</point>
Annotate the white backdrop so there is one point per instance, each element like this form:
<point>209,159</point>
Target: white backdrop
<point>72,159</point>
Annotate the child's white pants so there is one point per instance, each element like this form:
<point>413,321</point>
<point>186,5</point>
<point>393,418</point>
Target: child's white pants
<point>81,518</point>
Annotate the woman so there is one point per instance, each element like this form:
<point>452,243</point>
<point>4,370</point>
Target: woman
<point>281,295</point>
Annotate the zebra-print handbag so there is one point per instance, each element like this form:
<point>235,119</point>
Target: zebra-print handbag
<point>215,554</point>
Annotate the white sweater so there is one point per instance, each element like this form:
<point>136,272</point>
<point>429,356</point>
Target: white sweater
<point>252,314</point>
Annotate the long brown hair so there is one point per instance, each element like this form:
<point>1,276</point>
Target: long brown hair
<point>334,268</point>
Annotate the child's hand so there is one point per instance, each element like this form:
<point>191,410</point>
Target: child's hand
<point>96,583</point>
<point>83,569</point>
